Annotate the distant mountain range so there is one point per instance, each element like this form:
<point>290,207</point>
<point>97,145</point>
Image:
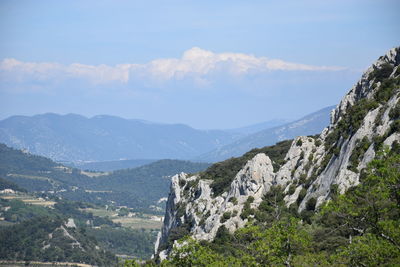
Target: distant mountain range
<point>105,142</point>
<point>103,138</point>
<point>308,125</point>
<point>259,126</point>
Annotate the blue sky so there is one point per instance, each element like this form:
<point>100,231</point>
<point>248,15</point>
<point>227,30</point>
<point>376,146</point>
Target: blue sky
<point>209,64</point>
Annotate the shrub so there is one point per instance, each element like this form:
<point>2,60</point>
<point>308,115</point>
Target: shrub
<point>357,153</point>
<point>303,178</point>
<point>182,183</point>
<point>178,232</point>
<point>318,142</point>
<point>202,222</point>
<point>311,203</point>
<point>301,196</point>
<point>246,213</point>
<point>334,189</point>
<point>250,199</point>
<point>233,200</point>
<point>395,147</point>
<point>383,72</point>
<point>299,142</point>
<point>226,216</point>
<point>292,189</point>
<point>395,112</point>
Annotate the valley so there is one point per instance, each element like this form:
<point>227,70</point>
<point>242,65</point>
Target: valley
<point>310,191</point>
<point>121,210</point>
<point>199,133</point>
<point>274,193</point>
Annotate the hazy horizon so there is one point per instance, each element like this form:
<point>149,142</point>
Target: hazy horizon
<point>277,121</point>
<point>210,65</point>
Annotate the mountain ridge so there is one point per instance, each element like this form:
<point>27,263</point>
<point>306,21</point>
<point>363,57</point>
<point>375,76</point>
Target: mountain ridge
<point>76,138</point>
<point>310,171</point>
<point>310,124</point>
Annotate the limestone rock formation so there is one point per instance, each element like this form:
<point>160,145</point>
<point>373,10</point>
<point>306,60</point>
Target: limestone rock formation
<point>366,119</point>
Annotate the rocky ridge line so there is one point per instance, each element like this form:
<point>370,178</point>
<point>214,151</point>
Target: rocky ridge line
<point>313,167</point>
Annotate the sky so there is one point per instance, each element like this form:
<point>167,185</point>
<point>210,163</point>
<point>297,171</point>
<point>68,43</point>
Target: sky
<point>209,64</point>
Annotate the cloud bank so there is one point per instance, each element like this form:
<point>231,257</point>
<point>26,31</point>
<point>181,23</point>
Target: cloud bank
<point>196,63</point>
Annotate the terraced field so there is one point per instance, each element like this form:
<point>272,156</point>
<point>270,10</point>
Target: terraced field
<point>28,199</point>
<point>135,221</point>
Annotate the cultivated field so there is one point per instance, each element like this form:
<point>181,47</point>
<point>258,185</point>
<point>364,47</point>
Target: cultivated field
<point>28,199</point>
<point>142,221</point>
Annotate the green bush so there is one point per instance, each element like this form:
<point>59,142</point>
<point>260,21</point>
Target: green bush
<point>301,196</point>
<point>299,142</point>
<point>395,112</point>
<point>382,73</point>
<point>226,216</point>
<point>311,203</point>
<point>292,189</point>
<point>250,199</point>
<point>233,200</point>
<point>358,152</point>
<point>182,183</point>
<point>318,142</point>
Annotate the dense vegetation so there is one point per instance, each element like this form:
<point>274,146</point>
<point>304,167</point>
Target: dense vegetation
<point>134,188</point>
<point>38,233</point>
<point>37,173</point>
<point>91,231</point>
<point>359,228</point>
<point>126,241</point>
<point>45,239</point>
<point>5,184</point>
<point>223,173</point>
<point>12,160</point>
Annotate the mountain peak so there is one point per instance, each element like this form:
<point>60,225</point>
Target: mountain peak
<point>307,172</point>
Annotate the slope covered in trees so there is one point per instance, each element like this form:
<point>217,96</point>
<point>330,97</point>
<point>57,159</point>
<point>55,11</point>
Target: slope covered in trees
<point>359,228</point>
<point>137,188</point>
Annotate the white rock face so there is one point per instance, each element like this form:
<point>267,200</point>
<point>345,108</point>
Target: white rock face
<point>307,165</point>
<point>204,211</point>
<point>70,223</point>
<point>254,179</point>
<point>337,172</point>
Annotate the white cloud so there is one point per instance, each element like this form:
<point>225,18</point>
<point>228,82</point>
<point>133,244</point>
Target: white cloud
<point>195,63</point>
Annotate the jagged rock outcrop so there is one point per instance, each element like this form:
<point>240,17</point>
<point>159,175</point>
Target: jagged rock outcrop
<point>367,119</point>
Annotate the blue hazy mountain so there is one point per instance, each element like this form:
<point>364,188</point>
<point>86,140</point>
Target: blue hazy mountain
<point>259,126</point>
<point>76,138</point>
<point>308,125</point>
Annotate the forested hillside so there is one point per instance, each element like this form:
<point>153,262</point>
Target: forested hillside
<point>137,188</point>
<point>51,231</point>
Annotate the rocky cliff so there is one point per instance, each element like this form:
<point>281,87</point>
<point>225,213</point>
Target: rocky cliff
<point>308,169</point>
